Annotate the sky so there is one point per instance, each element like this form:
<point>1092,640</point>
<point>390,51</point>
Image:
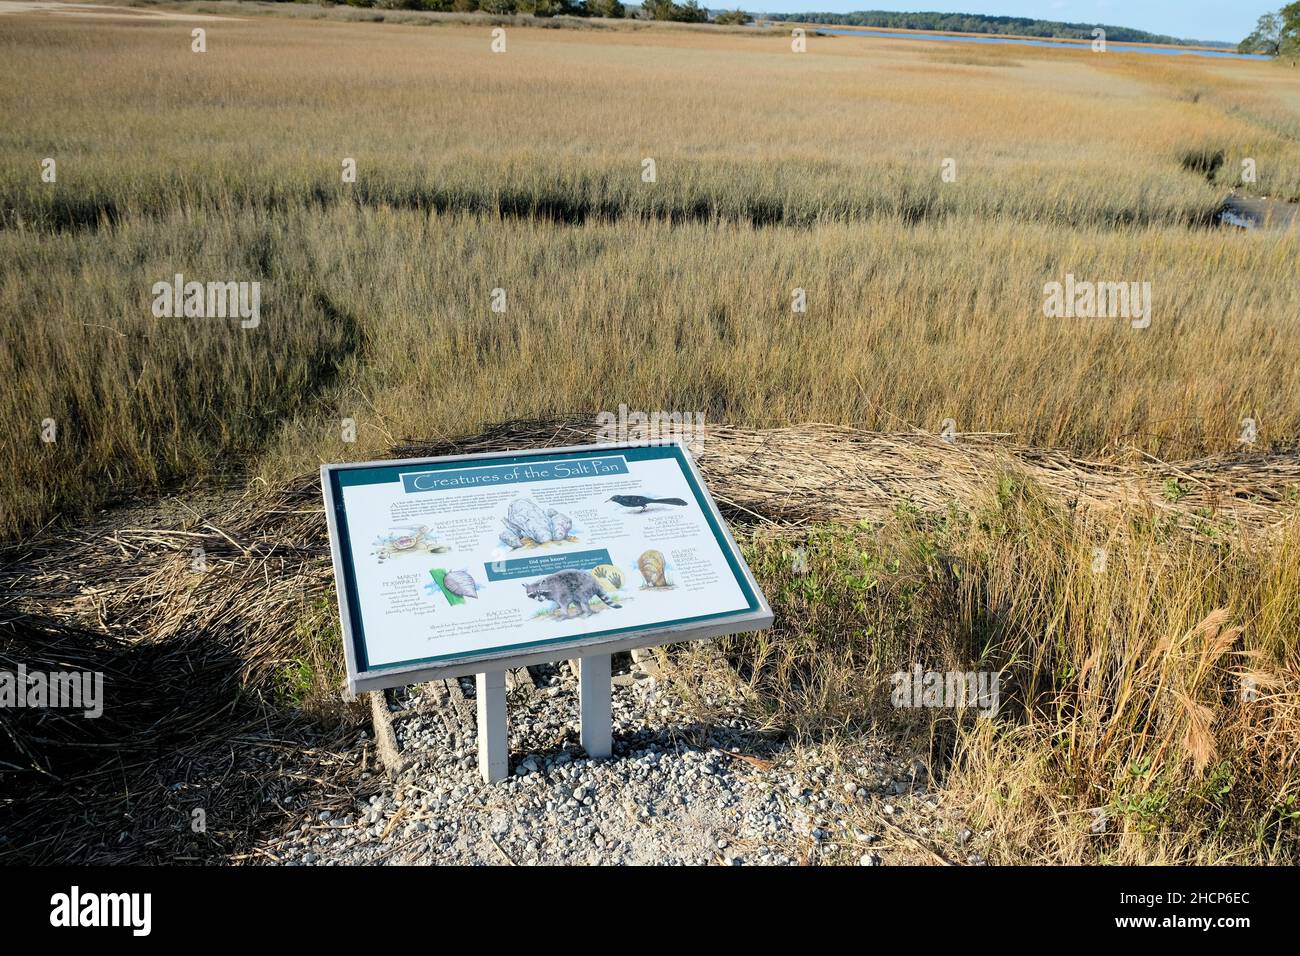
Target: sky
<point>1228,20</point>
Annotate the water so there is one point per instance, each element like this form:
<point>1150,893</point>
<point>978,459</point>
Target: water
<point>1230,217</point>
<point>972,38</point>
<point>1258,212</point>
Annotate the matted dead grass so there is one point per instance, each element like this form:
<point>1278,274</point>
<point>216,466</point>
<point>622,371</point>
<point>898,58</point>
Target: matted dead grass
<point>200,658</point>
<point>818,472</point>
<point>140,581</point>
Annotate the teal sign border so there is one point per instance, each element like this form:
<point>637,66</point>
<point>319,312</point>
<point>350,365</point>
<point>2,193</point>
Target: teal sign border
<point>513,569</point>
<point>345,476</point>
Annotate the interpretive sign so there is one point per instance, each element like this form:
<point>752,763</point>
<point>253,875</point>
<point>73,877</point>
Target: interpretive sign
<point>478,563</point>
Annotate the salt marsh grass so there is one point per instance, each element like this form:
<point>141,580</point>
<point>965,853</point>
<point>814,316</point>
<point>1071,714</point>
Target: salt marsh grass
<point>384,316</point>
<point>774,172</point>
<point>924,293</point>
<point>1148,707</point>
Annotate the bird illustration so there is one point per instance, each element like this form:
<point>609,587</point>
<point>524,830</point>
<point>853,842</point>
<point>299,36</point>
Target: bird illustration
<point>642,502</point>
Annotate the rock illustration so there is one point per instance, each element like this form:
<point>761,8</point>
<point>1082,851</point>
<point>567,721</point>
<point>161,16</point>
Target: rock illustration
<point>560,525</point>
<point>526,524</point>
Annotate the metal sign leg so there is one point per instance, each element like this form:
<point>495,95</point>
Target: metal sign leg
<point>594,699</point>
<point>493,744</point>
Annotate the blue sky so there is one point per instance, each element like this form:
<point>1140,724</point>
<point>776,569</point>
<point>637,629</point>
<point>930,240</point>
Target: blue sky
<point>1194,19</point>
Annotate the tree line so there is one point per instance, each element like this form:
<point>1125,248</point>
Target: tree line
<point>688,11</point>
<point>980,23</point>
<point>1276,34</point>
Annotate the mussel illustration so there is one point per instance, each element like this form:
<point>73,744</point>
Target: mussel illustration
<point>652,566</point>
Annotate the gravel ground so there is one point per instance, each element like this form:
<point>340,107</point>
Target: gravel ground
<point>675,792</point>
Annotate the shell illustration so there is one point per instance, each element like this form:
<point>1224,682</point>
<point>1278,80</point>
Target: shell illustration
<point>525,520</point>
<point>460,582</point>
<point>610,577</point>
<point>652,565</point>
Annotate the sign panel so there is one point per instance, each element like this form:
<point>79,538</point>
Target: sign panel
<point>457,565</point>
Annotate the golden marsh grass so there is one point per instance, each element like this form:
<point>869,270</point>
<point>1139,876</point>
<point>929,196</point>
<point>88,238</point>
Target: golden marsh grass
<point>775,172</point>
<point>228,164</point>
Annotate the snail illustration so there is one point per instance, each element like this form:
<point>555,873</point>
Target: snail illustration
<point>460,582</point>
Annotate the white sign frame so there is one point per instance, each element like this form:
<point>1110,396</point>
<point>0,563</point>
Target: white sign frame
<point>757,617</point>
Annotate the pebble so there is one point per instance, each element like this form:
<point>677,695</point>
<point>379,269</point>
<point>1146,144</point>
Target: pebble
<point>655,802</point>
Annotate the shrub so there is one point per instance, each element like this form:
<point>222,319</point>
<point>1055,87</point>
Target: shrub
<point>605,8</point>
<point>551,8</point>
<point>688,12</point>
<point>728,17</point>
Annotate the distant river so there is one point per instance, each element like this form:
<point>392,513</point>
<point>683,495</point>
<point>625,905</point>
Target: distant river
<point>1058,44</point>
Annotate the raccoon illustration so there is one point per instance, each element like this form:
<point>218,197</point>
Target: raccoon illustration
<point>567,588</point>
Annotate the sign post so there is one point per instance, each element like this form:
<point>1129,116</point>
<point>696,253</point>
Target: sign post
<point>596,726</point>
<point>493,740</point>
<point>475,564</point>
